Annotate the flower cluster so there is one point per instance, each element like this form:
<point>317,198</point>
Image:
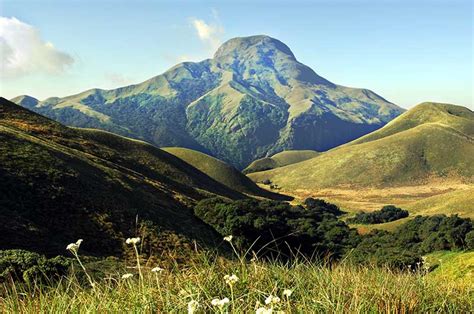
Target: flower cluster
<point>220,302</point>
<point>127,276</point>
<point>193,305</point>
<point>74,247</point>
<point>264,310</point>
<point>157,269</point>
<point>228,238</point>
<point>132,241</point>
<point>231,280</point>
<point>271,300</point>
<point>287,293</point>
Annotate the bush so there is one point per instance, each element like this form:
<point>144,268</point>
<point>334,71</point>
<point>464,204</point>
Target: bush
<point>409,242</point>
<point>28,266</point>
<point>386,214</point>
<point>278,228</point>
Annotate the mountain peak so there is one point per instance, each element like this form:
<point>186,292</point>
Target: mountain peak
<point>257,45</point>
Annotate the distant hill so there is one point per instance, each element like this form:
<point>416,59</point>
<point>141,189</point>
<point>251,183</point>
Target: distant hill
<point>222,172</point>
<point>281,159</point>
<point>252,99</point>
<point>59,184</point>
<point>430,141</point>
<point>456,202</point>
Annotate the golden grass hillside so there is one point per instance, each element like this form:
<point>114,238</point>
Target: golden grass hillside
<point>409,156</point>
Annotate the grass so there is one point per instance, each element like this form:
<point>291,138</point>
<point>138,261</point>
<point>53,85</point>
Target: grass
<point>418,153</point>
<point>221,172</point>
<point>315,287</point>
<point>281,159</point>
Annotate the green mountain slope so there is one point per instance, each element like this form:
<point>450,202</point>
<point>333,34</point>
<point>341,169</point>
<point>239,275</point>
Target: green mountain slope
<point>60,184</point>
<point>252,99</point>
<point>438,143</point>
<point>281,159</point>
<point>222,172</point>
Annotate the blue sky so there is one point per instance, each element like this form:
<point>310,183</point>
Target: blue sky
<point>406,51</point>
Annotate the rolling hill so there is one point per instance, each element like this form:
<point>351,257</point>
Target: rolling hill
<point>432,141</point>
<point>281,159</point>
<point>60,184</point>
<point>222,172</point>
<point>252,99</point>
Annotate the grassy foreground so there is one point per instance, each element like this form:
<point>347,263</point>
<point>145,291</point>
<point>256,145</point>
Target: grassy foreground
<point>200,287</point>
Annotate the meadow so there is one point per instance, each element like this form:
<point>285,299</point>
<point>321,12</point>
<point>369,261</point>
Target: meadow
<point>211,283</point>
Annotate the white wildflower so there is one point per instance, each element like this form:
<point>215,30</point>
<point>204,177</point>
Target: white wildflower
<point>287,292</point>
<point>74,247</point>
<point>264,310</point>
<point>220,303</point>
<point>272,300</point>
<point>231,280</point>
<point>126,276</point>
<point>157,269</point>
<point>228,238</point>
<point>192,306</point>
<point>132,241</point>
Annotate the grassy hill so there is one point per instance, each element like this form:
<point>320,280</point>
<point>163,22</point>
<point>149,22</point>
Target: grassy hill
<point>430,141</point>
<point>222,172</point>
<point>456,202</point>
<point>60,184</point>
<point>281,159</point>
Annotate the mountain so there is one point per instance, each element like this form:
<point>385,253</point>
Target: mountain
<point>222,172</point>
<point>59,184</point>
<point>281,159</point>
<point>252,99</point>
<point>431,141</point>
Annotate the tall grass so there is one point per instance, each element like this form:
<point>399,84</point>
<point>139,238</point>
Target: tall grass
<point>340,288</point>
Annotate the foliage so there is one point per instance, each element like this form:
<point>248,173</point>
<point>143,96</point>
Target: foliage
<point>278,228</point>
<point>29,266</point>
<point>386,214</point>
<point>409,242</point>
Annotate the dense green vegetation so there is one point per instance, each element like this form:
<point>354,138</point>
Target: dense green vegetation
<point>280,229</point>
<point>386,214</point>
<point>411,149</point>
<point>29,266</point>
<point>413,239</point>
<point>252,99</point>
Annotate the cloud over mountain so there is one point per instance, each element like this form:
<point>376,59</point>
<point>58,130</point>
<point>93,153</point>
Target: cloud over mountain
<point>24,52</point>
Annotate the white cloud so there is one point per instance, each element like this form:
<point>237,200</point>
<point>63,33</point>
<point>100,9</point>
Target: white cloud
<point>24,52</point>
<point>209,33</point>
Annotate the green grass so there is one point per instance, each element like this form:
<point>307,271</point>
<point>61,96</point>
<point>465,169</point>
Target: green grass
<point>443,149</point>
<point>456,202</point>
<point>340,288</point>
<point>452,266</point>
<point>281,159</point>
<point>221,172</point>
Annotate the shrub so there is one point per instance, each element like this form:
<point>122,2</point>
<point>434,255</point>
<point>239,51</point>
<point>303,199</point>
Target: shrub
<point>28,266</point>
<point>278,228</point>
<point>386,214</point>
<point>409,242</point>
